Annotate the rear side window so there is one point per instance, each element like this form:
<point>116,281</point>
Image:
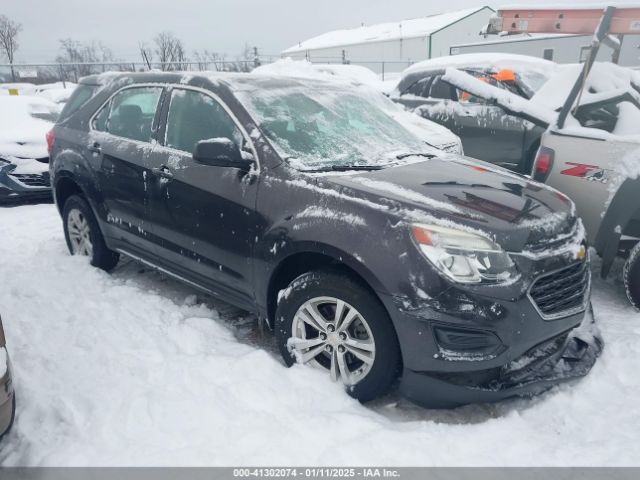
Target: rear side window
<point>420,88</point>
<point>194,116</point>
<point>440,89</point>
<point>79,97</point>
<point>130,113</point>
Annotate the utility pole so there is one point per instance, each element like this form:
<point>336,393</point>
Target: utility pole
<point>256,58</point>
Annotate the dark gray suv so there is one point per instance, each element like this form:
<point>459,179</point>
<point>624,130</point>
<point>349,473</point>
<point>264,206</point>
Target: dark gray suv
<point>372,255</point>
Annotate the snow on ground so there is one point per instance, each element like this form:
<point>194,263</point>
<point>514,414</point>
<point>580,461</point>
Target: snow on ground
<point>132,368</point>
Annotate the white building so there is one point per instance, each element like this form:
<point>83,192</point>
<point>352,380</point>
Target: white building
<point>557,47</point>
<point>391,47</point>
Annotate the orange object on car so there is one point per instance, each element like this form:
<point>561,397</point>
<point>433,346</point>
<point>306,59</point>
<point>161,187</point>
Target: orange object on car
<point>505,75</point>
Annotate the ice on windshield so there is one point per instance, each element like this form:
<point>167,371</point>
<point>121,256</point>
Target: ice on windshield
<point>319,128</point>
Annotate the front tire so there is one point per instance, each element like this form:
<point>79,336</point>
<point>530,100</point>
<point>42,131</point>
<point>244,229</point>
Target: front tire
<point>83,235</point>
<point>631,276</point>
<point>330,321</point>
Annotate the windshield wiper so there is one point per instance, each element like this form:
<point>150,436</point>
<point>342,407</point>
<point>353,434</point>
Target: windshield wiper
<point>414,154</point>
<point>345,168</point>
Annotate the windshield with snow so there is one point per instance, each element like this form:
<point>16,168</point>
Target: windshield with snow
<point>330,128</point>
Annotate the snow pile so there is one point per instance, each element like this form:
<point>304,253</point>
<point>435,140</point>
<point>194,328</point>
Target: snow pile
<point>304,69</point>
<point>23,88</point>
<point>604,81</point>
<point>415,27</point>
<point>58,92</point>
<point>132,368</point>
<point>24,122</point>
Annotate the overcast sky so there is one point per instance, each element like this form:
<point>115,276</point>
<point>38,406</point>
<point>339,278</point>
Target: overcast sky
<point>221,26</point>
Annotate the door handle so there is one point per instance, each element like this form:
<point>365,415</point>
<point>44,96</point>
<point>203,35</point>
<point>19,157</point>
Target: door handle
<point>95,148</point>
<point>163,171</point>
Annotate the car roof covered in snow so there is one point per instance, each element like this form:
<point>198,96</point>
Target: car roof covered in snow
<point>210,79</point>
<point>481,61</point>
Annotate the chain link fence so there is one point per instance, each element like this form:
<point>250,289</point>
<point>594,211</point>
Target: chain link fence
<point>41,73</point>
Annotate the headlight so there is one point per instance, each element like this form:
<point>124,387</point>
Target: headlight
<point>464,257</point>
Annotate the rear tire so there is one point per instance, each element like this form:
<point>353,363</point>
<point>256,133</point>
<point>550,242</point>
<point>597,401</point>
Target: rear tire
<point>631,276</point>
<point>359,347</point>
<point>83,234</point>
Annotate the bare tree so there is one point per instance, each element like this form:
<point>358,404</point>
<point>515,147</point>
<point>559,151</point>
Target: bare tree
<point>146,53</point>
<point>79,59</point>
<point>206,59</point>
<point>244,62</point>
<point>171,52</point>
<point>9,31</point>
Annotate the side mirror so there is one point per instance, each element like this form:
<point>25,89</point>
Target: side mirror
<point>220,152</point>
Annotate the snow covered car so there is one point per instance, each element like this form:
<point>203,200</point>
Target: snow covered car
<point>58,92</point>
<point>7,397</point>
<point>372,255</point>
<point>24,169</point>
<point>431,132</point>
<point>487,131</point>
<point>593,157</point>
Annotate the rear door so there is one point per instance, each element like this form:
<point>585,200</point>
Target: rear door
<point>203,217</point>
<point>432,99</point>
<point>122,132</point>
<point>488,132</point>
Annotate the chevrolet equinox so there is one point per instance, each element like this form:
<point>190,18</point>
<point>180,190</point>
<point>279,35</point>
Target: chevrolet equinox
<point>373,256</point>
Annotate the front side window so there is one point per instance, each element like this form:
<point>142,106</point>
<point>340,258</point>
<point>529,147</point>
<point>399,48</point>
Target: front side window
<point>194,116</point>
<point>130,113</point>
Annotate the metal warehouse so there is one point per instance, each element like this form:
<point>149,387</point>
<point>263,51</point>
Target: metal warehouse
<point>395,45</point>
<point>560,48</point>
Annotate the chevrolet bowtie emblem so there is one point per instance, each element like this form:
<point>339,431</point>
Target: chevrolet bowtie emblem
<point>581,253</point>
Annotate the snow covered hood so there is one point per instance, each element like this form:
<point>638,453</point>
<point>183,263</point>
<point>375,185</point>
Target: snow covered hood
<point>22,133</point>
<point>513,210</point>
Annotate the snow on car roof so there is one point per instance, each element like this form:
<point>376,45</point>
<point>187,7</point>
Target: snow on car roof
<point>485,60</point>
<point>415,27</point>
<point>323,71</point>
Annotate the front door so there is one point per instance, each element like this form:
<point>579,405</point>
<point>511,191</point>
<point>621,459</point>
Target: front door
<point>203,217</point>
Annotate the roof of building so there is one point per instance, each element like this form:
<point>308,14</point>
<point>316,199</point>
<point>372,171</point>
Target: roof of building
<point>415,27</point>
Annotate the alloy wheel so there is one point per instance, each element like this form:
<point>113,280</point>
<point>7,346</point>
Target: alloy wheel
<point>331,334</point>
<point>79,233</point>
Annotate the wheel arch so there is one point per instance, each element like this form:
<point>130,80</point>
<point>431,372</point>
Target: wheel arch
<point>65,186</point>
<point>305,259</point>
<point>622,213</point>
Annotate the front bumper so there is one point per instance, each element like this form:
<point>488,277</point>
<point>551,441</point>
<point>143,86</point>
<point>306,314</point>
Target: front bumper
<point>562,358</point>
<point>23,187</point>
<point>7,396</point>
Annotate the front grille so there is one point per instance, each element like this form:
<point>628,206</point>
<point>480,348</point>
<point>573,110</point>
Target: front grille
<point>561,292</point>
<point>32,179</point>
